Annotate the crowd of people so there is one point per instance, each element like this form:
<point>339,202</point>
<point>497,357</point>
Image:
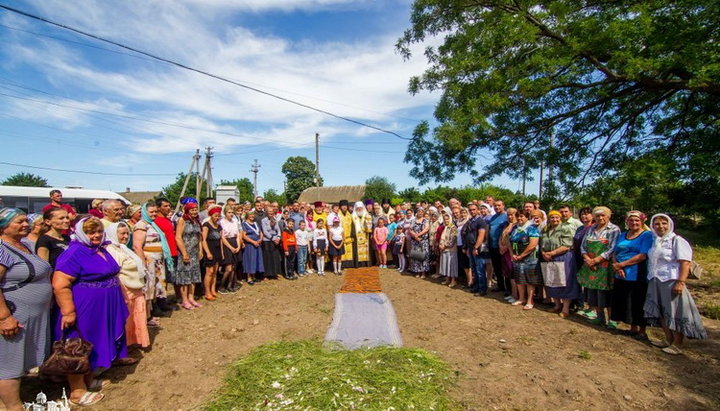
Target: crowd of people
<point>112,274</point>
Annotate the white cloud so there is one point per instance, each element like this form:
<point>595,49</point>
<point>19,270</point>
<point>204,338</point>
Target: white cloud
<point>364,80</point>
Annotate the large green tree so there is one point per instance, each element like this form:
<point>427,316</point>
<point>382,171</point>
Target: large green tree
<point>244,186</point>
<point>25,180</point>
<point>299,174</point>
<point>378,188</point>
<point>583,86</point>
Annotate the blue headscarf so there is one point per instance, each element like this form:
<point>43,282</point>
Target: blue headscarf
<point>8,214</point>
<point>165,247</point>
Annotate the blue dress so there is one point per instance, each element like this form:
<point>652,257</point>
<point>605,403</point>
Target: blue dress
<point>100,307</point>
<point>252,254</point>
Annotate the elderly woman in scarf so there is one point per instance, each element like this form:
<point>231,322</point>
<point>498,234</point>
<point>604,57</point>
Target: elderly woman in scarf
<point>555,249</point>
<point>668,301</point>
<point>362,223</point>
<point>596,273</point>
<point>630,267</point>
<point>506,255</point>
<point>25,302</point>
<point>150,245</point>
<point>91,305</point>
<point>132,282</point>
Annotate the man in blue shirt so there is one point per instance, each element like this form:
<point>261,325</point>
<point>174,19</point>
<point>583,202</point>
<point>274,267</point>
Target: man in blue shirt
<point>497,224</point>
<point>295,214</point>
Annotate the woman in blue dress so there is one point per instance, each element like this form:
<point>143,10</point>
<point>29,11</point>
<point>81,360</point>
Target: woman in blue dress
<point>252,253</point>
<point>630,273</point>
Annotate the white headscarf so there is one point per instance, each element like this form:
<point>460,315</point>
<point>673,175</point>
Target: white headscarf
<point>359,217</point>
<point>112,234</point>
<point>80,236</point>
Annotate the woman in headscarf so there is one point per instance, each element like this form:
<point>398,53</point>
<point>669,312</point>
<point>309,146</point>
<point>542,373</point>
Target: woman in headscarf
<point>447,247</point>
<point>436,229</point>
<point>507,264</point>
<point>252,254</point>
<point>149,244</point>
<point>132,281</point>
<point>188,234</point>
<point>596,273</point>
<point>25,301</point>
<point>212,250</point>
<point>555,248</point>
<point>630,267</point>
<point>420,241</point>
<point>524,240</point>
<point>362,223</point>
<point>669,303</point>
<point>37,228</point>
<point>87,291</point>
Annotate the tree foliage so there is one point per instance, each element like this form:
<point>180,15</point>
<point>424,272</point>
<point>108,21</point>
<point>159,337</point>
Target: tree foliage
<point>300,174</point>
<point>273,196</point>
<point>172,191</point>
<point>25,180</point>
<point>244,186</point>
<point>378,188</point>
<point>605,81</point>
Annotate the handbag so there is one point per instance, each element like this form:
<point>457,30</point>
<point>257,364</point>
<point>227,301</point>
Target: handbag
<point>69,356</point>
<point>417,253</point>
<point>553,273</point>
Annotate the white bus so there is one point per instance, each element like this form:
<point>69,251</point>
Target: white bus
<point>33,199</point>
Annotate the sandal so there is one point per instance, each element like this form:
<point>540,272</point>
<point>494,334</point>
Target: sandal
<point>660,343</point>
<point>528,307</point>
<point>672,350</point>
<point>98,384</point>
<point>563,315</point>
<point>153,322</point>
<point>122,362</point>
<point>188,306</point>
<point>88,399</point>
<point>518,302</point>
<point>196,304</point>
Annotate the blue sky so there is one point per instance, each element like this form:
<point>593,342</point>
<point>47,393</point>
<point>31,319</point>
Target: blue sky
<point>94,107</point>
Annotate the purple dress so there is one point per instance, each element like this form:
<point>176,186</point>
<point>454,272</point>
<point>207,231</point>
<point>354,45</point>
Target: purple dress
<point>100,309</point>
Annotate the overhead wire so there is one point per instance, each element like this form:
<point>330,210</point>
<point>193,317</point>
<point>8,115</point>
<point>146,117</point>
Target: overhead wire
<point>79,43</point>
<point>99,173</point>
<point>199,71</point>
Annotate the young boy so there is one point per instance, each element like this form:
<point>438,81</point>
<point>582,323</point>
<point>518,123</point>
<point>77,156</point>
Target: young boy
<point>289,244</point>
<point>302,238</point>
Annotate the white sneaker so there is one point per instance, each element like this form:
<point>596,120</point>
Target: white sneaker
<point>310,271</point>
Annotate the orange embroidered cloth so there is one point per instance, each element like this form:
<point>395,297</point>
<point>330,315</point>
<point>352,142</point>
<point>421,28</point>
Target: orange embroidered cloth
<point>362,280</point>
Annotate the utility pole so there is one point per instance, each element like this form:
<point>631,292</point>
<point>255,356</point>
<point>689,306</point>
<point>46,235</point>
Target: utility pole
<point>209,178</point>
<point>206,173</point>
<point>254,168</point>
<point>317,160</point>
<point>193,164</point>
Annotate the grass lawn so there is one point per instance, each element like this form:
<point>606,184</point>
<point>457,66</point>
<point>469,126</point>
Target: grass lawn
<point>307,375</point>
<point>706,252</point>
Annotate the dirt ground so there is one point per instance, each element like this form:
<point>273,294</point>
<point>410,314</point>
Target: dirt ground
<point>505,358</point>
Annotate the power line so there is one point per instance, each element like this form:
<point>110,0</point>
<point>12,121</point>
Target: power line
<point>79,43</point>
<point>88,172</point>
<point>205,73</point>
<point>360,149</point>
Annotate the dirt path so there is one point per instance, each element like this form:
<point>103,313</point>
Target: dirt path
<point>505,358</point>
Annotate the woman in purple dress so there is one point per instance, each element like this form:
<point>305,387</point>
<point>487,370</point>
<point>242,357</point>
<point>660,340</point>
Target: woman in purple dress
<point>91,305</point>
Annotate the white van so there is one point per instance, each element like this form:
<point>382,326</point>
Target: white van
<point>33,199</point>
